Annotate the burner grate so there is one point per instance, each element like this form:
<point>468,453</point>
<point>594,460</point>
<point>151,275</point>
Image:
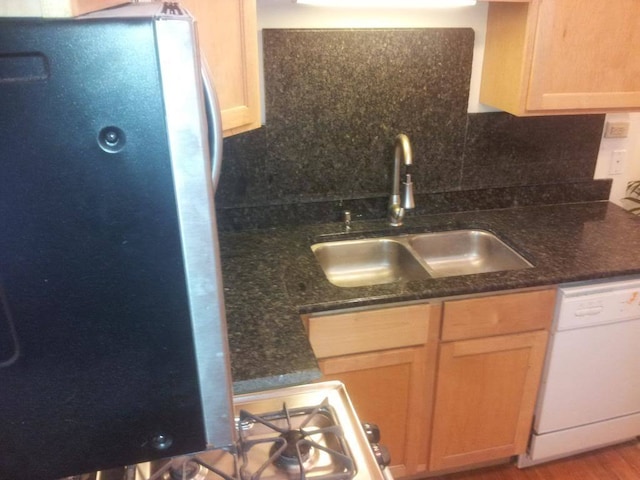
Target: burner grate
<point>305,443</point>
<point>190,468</point>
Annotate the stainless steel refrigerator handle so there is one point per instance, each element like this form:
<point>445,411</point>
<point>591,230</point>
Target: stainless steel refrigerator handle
<point>214,121</point>
<point>9,329</point>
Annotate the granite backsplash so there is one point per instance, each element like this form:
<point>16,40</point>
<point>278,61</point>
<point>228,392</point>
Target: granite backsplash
<point>334,101</point>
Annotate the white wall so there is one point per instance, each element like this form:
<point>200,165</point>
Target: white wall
<point>286,14</point>
<point>631,145</point>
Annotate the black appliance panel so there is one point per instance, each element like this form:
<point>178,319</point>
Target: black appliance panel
<point>91,269</point>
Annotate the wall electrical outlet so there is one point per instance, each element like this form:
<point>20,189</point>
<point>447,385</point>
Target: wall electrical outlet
<point>618,162</point>
<point>616,130</point>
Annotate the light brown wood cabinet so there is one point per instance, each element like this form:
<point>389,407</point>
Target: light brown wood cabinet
<point>53,8</point>
<point>386,359</point>
<point>560,57</point>
<point>451,383</point>
<point>228,39</point>
<point>488,376</point>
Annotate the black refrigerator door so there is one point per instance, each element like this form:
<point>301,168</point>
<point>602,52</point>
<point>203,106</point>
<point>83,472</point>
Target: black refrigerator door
<point>97,366</point>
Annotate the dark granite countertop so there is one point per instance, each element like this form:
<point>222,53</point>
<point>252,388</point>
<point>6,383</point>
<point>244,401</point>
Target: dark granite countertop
<point>271,276</point>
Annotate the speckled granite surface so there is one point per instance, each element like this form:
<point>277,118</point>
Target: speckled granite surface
<point>336,98</point>
<point>271,277</point>
<point>268,215</point>
<point>502,150</point>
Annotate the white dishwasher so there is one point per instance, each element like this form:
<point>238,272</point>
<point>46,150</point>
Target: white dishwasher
<point>590,392</point>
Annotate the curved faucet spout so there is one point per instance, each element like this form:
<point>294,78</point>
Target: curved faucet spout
<point>399,204</point>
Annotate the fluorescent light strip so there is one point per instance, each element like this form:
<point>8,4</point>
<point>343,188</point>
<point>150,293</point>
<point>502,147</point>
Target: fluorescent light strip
<point>389,3</point>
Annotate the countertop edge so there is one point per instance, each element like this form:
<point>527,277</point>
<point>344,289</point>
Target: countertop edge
<point>277,381</point>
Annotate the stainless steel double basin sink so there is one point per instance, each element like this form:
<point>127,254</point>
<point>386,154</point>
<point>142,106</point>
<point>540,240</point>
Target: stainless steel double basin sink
<point>396,258</point>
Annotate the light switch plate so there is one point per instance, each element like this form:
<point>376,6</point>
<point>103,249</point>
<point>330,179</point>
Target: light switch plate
<point>618,162</point>
<point>616,130</point>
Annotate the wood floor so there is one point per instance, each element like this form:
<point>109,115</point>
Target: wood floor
<point>621,462</point>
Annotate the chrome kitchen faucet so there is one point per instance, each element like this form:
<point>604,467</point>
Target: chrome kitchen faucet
<point>399,204</point>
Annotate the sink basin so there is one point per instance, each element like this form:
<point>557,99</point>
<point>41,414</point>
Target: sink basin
<point>375,261</point>
<point>465,252</point>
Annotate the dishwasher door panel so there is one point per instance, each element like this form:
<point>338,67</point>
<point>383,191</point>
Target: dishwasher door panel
<point>593,375</point>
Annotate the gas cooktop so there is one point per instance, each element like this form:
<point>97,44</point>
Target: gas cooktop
<point>304,432</point>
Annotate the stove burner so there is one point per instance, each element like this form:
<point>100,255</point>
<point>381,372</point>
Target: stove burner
<point>188,470</point>
<point>291,450</point>
<point>294,453</point>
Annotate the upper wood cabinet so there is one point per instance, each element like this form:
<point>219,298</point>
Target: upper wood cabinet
<point>562,57</point>
<point>228,38</point>
<point>53,8</point>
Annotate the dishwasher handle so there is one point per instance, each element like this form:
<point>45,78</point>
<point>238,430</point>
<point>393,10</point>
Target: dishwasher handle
<point>597,304</point>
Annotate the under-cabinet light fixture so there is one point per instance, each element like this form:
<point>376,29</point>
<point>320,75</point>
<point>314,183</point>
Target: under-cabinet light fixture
<point>389,3</point>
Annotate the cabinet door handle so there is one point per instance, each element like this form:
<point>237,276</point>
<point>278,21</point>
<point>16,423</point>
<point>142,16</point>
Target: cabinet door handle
<point>9,348</point>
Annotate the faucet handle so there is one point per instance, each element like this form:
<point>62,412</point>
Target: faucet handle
<point>408,202</point>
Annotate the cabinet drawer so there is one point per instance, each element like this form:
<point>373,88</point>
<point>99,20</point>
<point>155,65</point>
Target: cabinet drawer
<point>370,330</point>
<point>498,315</point>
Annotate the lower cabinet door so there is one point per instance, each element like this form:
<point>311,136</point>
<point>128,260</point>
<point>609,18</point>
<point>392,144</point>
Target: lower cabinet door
<point>388,388</point>
<point>485,396</point>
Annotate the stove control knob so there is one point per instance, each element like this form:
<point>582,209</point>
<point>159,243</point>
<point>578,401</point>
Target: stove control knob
<point>372,431</point>
<point>382,454</point>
